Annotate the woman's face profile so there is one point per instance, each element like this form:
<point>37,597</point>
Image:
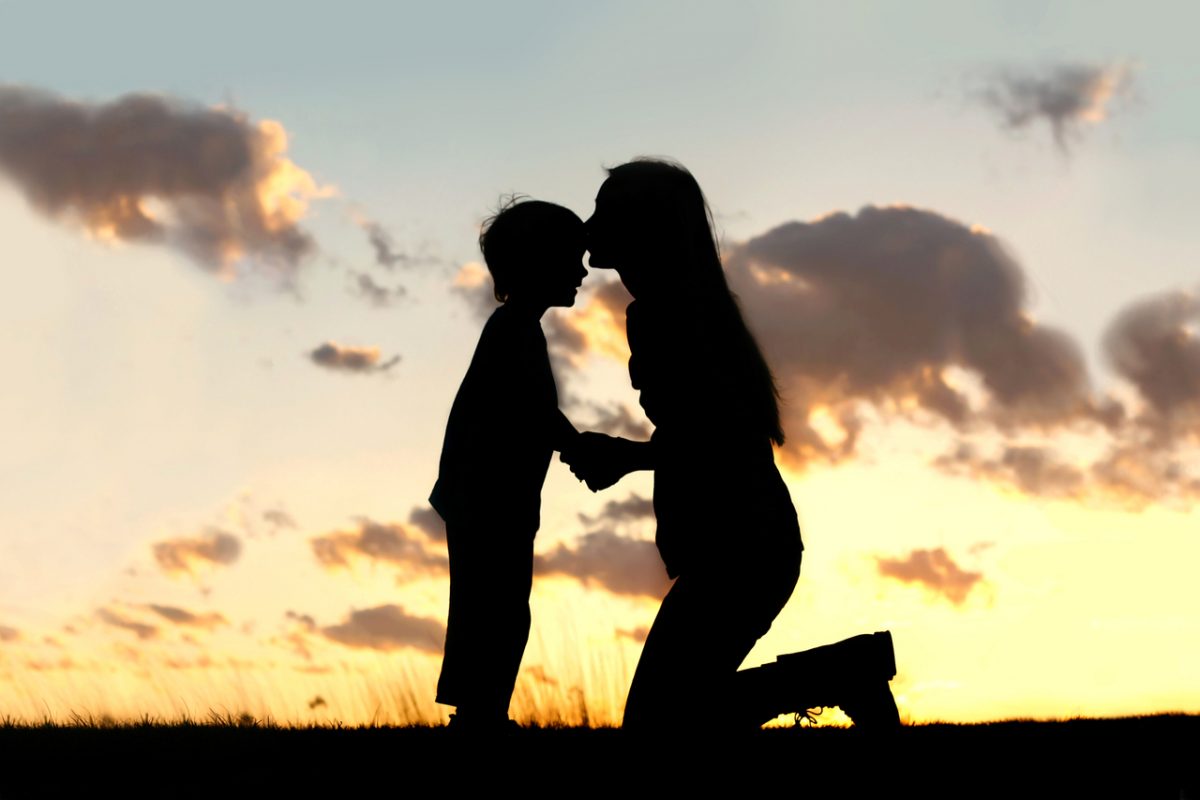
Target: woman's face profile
<point>609,237</point>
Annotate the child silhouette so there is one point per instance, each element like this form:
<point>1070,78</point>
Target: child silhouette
<point>504,427</point>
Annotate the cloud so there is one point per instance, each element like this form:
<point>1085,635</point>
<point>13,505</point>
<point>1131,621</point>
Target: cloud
<point>429,522</point>
<point>1153,344</point>
<point>186,618</point>
<point>386,254</point>
<point>278,519</point>
<point>377,295</point>
<point>934,570</point>
<point>892,307</point>
<point>387,627</point>
<point>351,359</point>
<point>214,547</point>
<point>141,629</point>
<point>1032,470</point>
<point>147,168</point>
<point>1066,97</point>
<point>392,544</point>
<point>8,634</point>
<point>620,564</point>
<point>632,509</point>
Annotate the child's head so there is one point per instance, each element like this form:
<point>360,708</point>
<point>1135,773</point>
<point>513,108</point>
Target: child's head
<point>534,251</point>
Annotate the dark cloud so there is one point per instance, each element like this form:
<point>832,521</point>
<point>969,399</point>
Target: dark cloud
<point>351,359</point>
<point>388,627</point>
<point>933,569</point>
<point>214,547</point>
<point>620,564</point>
<point>392,544</point>
<point>429,522</point>
<point>181,616</point>
<point>148,168</point>
<point>637,634</point>
<point>8,634</point>
<point>1032,470</point>
<point>1153,344</point>
<point>879,306</point>
<point>1066,97</point>
<point>143,630</point>
<point>632,509</point>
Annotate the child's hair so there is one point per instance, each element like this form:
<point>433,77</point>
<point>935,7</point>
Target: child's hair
<point>514,239</point>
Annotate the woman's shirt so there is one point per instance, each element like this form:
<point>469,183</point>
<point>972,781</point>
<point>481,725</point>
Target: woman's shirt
<point>715,480</point>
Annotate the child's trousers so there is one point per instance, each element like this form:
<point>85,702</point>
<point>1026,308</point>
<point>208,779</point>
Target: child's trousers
<point>491,575</point>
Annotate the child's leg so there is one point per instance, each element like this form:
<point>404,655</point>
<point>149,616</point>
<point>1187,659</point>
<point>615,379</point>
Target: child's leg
<point>491,574</point>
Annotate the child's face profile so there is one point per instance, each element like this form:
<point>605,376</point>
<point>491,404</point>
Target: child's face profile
<point>564,272</point>
<point>558,270</point>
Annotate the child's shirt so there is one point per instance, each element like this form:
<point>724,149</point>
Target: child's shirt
<point>503,429</point>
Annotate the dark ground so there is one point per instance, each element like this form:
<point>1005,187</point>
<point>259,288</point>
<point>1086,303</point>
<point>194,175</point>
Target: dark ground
<point>1136,757</point>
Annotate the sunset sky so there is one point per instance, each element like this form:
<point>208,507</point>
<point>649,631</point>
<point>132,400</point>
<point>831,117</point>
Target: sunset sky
<point>243,286</point>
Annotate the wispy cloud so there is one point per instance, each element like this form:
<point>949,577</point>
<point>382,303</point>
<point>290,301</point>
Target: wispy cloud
<point>1067,97</point>
<point>141,629</point>
<point>180,616</point>
<point>351,359</point>
<point>933,569</point>
<point>183,555</point>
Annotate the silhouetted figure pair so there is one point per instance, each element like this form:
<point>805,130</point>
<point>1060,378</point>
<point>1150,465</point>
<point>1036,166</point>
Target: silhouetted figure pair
<point>727,529</point>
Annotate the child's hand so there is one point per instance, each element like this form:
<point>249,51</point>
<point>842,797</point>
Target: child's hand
<point>596,459</point>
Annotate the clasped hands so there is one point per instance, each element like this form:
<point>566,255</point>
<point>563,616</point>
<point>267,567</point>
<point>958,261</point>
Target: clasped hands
<point>597,459</point>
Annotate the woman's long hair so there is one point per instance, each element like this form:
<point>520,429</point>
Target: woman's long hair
<point>676,227</point>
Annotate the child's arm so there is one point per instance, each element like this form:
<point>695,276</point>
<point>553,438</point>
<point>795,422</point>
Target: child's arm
<point>563,433</point>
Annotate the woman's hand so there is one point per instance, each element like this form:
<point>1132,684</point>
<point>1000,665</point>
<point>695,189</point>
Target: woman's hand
<point>600,460</point>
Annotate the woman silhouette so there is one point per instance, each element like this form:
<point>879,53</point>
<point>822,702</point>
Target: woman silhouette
<point>727,529</point>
